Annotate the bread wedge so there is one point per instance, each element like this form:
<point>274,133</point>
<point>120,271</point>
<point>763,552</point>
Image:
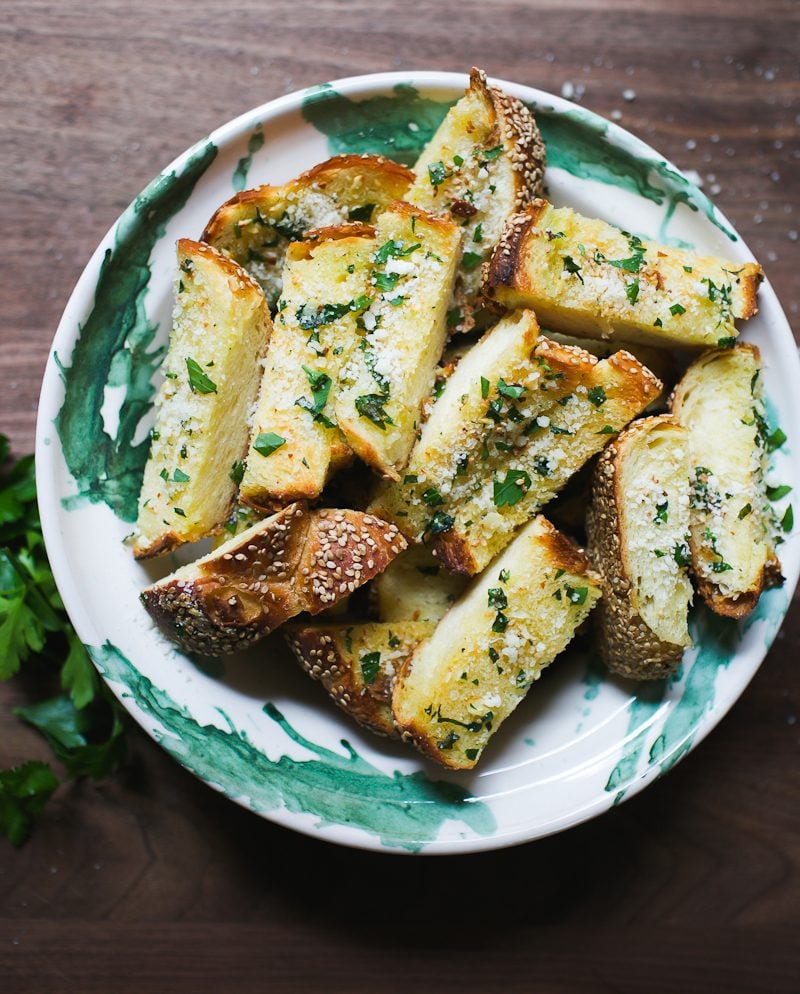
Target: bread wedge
<point>518,417</point>
<point>467,678</point>
<point>719,402</point>
<point>295,443</point>
<point>485,162</point>
<point>221,327</point>
<point>256,226</point>
<point>357,664</point>
<point>586,277</point>
<point>389,374</point>
<point>295,560</point>
<point>637,527</point>
<point>415,587</point>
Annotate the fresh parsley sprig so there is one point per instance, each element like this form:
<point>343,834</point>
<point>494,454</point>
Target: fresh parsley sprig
<point>83,723</point>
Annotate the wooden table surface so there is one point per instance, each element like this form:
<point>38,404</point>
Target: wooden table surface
<point>151,881</point>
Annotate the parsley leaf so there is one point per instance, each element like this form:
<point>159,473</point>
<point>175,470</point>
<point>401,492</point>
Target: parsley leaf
<point>268,442</point>
<point>371,406</point>
<point>370,666</point>
<point>24,791</point>
<point>512,489</point>
<point>199,382</point>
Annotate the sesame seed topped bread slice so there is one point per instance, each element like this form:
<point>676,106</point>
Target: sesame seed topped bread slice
<point>638,525</point>
<point>256,226</point>
<point>518,417</point>
<point>513,620</point>
<point>388,375</point>
<point>586,277</point>
<point>719,402</point>
<point>485,162</point>
<point>294,438</point>
<point>296,560</point>
<point>221,327</point>
<point>415,587</point>
<point>357,664</point>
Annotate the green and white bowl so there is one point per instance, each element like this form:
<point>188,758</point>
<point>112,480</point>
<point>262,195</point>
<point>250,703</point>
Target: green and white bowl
<point>254,726</point>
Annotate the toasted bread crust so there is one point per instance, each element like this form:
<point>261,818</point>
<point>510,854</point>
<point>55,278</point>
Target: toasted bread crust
<point>319,176</point>
<point>627,644</point>
<point>293,561</point>
<point>326,653</point>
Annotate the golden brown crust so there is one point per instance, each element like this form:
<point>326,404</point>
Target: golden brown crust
<point>240,280</point>
<point>327,654</point>
<point>454,552</point>
<point>319,177</point>
<point>350,229</point>
<point>293,561</point>
<point>521,137</point>
<point>505,267</point>
<point>626,642</point>
<point>729,607</point>
<point>159,547</point>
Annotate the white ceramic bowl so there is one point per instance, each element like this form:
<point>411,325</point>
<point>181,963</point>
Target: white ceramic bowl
<point>255,727</point>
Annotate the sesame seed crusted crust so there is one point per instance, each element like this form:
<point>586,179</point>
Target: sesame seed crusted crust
<point>626,642</point>
<point>357,664</point>
<point>296,560</point>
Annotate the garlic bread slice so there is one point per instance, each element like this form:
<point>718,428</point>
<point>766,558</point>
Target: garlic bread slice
<point>719,402</point>
<point>220,330</point>
<point>295,560</point>
<point>357,664</point>
<point>637,526</point>
<point>586,277</point>
<point>256,226</point>
<point>493,396</point>
<point>513,620</point>
<point>391,371</point>
<point>295,443</point>
<point>416,587</point>
<point>473,480</point>
<point>485,162</point>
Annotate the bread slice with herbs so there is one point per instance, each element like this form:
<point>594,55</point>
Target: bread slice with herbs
<point>638,527</point>
<point>295,443</point>
<point>356,664</point>
<point>416,587</point>
<point>518,417</point>
<point>388,375</point>
<point>221,326</point>
<point>719,401</point>
<point>256,226</point>
<point>513,620</point>
<point>485,162</point>
<point>586,277</point>
<point>295,560</point>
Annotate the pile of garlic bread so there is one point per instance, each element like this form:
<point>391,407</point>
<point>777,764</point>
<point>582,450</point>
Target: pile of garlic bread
<point>436,427</point>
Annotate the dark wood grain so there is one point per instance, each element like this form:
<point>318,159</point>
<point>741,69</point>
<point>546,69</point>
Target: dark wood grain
<point>152,882</point>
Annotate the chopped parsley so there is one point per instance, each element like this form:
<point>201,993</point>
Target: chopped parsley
<point>576,595</point>
<point>469,260</point>
<point>512,489</point>
<point>370,666</point>
<point>632,264</point>
<point>484,387</point>
<point>372,407</point>
<point>437,174</point>
<point>572,267</point>
<point>676,309</point>
<point>512,390</point>
<point>432,497</point>
<point>199,382</point>
<point>178,476</point>
<point>440,523</point>
<point>453,317</point>
<point>268,442</point>
<point>497,598</point>
<point>541,466</point>
<point>477,235</point>
<point>787,521</point>
<point>681,554</point>
<point>237,471</point>
<point>727,342</point>
<point>500,622</point>
<point>385,281</point>
<point>662,511</point>
<point>775,440</point>
<point>320,388</point>
<point>747,509</point>
<point>632,291</point>
<point>775,493</point>
<point>597,396</point>
<point>394,250</point>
